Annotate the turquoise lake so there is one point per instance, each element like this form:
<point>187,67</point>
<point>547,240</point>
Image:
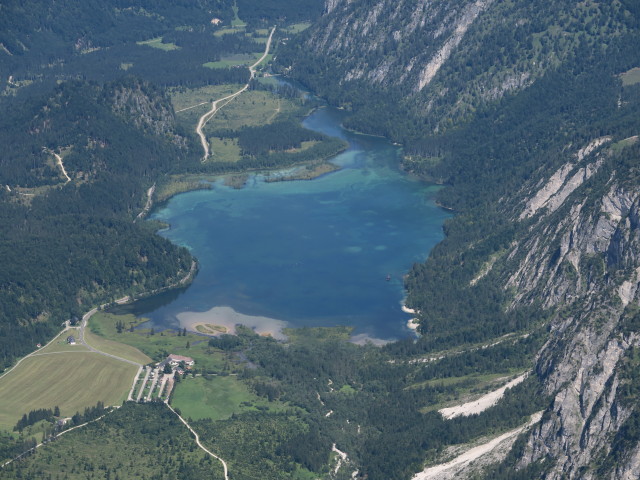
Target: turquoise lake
<point>330,251</point>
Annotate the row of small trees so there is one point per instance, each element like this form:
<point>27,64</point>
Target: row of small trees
<point>35,416</point>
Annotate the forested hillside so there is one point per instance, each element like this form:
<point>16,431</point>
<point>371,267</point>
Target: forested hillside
<point>407,68</point>
<point>69,244</point>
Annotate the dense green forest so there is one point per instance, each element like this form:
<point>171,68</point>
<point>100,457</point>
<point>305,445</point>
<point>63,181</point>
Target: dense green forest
<point>510,41</point>
<point>73,244</point>
<point>532,118</point>
<point>135,441</point>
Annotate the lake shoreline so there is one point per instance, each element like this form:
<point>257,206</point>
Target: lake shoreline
<point>237,219</point>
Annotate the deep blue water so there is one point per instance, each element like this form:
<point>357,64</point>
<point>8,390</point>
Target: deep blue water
<point>312,253</point>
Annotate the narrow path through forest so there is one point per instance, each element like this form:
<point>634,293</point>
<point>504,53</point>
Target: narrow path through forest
<point>197,437</point>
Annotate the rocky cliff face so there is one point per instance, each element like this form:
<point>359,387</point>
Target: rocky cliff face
<point>449,58</point>
<point>581,256</point>
<point>146,108</point>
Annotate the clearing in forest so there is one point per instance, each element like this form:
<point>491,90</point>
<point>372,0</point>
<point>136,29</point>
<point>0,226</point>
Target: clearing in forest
<point>217,397</point>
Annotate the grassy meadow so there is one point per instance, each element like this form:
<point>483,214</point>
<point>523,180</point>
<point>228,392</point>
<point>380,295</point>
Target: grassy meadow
<point>217,397</point>
<point>70,380</point>
<point>157,345</point>
<point>94,339</point>
<point>225,150</point>
<point>631,77</point>
<point>251,109</point>
<point>157,43</point>
<point>237,60</point>
<point>197,101</point>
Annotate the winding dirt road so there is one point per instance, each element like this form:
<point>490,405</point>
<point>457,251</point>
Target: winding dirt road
<point>147,205</point>
<point>61,165</point>
<point>197,437</point>
<point>214,105</point>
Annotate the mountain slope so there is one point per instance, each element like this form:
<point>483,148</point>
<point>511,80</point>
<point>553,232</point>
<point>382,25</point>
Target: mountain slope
<point>521,109</point>
<point>441,62</point>
<point>69,244</point>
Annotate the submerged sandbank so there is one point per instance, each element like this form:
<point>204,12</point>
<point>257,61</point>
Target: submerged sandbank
<point>228,318</point>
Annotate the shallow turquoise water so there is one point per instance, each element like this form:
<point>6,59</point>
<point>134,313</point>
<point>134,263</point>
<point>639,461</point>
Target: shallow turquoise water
<point>312,253</point>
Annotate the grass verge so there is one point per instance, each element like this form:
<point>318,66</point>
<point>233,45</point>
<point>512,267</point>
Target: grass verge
<point>94,339</point>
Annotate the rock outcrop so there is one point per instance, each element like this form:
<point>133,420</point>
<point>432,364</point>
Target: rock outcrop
<point>147,108</point>
<point>581,259</point>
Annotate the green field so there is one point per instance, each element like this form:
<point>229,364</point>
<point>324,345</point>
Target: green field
<point>236,22</point>
<point>229,30</point>
<point>266,60</point>
<point>474,382</point>
<point>622,144</point>
<point>182,98</point>
<point>237,60</point>
<point>217,397</point>
<point>99,342</point>
<point>261,35</point>
<point>631,77</point>
<point>224,150</point>
<point>157,43</point>
<point>296,27</point>
<point>252,108</point>
<point>69,380</point>
<point>157,345</point>
<point>312,335</point>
